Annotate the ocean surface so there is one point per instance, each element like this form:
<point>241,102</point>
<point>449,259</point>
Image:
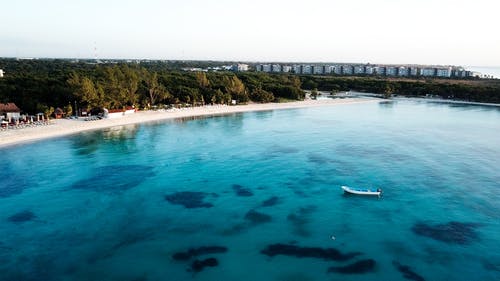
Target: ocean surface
<point>257,196</point>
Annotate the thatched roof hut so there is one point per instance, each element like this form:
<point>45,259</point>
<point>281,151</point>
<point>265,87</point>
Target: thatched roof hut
<point>58,113</point>
<point>9,108</point>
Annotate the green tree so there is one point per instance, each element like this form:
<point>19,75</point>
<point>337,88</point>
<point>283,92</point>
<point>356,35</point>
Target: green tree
<point>130,84</point>
<point>236,89</point>
<point>260,95</point>
<point>295,81</point>
<point>68,109</point>
<point>388,91</point>
<point>201,78</point>
<point>48,112</point>
<point>314,93</point>
<point>219,97</point>
<point>156,91</point>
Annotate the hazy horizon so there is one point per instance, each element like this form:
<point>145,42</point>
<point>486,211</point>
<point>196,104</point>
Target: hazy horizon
<point>378,32</point>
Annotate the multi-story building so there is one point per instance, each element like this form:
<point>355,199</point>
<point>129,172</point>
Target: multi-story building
<point>443,72</point>
<point>266,67</point>
<point>369,70</point>
<point>306,69</point>
<point>459,72</point>
<point>402,71</point>
<point>413,71</point>
<point>359,69</point>
<point>297,69</point>
<point>380,70</point>
<point>327,69</point>
<point>474,74</point>
<point>317,69</point>
<point>428,71</point>
<point>347,69</point>
<point>337,69</point>
<point>356,69</point>
<point>240,67</point>
<point>391,71</point>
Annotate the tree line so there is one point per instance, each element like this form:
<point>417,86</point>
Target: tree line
<point>42,85</point>
<point>37,85</point>
<point>467,90</point>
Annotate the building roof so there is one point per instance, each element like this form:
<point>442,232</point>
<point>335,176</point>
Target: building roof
<point>9,107</point>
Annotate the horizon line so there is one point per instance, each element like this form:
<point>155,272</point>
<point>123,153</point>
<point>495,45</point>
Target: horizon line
<point>234,61</point>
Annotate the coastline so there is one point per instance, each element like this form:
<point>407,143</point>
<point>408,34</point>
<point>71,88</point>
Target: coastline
<point>65,127</point>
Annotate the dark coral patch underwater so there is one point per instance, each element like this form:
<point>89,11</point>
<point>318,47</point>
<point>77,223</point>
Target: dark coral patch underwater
<point>257,218</point>
<point>242,191</point>
<point>300,219</point>
<point>270,202</point>
<point>189,199</point>
<point>22,216</point>
<point>451,232</point>
<point>115,178</point>
<point>359,267</point>
<point>199,265</point>
<point>194,252</point>
<point>12,184</point>
<point>407,272</point>
<point>307,252</point>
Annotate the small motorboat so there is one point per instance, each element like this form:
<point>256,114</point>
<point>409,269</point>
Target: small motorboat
<point>361,191</point>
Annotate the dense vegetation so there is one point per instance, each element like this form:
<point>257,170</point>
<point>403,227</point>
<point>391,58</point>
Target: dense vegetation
<point>468,90</point>
<point>37,85</point>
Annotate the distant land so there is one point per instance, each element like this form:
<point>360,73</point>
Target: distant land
<point>356,69</point>
<point>70,86</point>
<point>492,71</point>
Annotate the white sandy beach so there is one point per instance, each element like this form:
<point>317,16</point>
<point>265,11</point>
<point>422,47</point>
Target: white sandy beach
<point>63,127</point>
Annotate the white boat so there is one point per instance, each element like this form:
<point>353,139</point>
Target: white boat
<point>360,191</point>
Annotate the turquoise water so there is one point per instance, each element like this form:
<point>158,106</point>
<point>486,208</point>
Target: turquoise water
<point>101,205</point>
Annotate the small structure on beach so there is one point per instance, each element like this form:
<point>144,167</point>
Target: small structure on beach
<point>58,113</point>
<point>116,113</point>
<point>10,111</point>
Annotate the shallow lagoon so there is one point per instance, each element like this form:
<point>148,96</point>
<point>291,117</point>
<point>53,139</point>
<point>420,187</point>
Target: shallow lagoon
<point>119,204</point>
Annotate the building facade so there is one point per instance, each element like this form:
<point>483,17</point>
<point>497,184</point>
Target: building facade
<point>347,69</point>
<point>306,69</point>
<point>317,69</point>
<point>369,69</point>
<point>428,72</point>
<point>359,69</point>
<point>276,68</point>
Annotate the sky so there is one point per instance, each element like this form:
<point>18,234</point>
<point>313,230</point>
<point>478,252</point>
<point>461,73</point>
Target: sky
<point>446,32</point>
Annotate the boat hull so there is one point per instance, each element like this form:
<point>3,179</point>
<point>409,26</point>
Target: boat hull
<point>368,192</point>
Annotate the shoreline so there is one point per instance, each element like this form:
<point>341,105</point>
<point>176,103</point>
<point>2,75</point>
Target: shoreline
<point>66,127</point>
